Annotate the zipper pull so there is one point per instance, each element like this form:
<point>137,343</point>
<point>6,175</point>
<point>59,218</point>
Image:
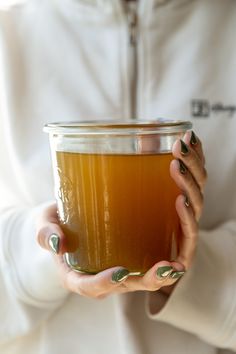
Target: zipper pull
<point>132,22</point>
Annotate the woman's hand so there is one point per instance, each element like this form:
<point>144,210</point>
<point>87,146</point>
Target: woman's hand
<point>189,173</point>
<point>110,281</point>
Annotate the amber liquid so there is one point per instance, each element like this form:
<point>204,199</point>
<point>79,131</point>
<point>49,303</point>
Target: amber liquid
<point>117,210</point>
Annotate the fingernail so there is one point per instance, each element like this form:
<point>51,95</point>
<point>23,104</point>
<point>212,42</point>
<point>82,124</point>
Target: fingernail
<point>193,139</point>
<point>186,202</point>
<point>54,243</point>
<point>184,148</point>
<point>119,275</point>
<point>177,275</point>
<point>182,167</point>
<point>164,272</point>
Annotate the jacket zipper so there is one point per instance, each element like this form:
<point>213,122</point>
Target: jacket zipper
<point>132,16</point>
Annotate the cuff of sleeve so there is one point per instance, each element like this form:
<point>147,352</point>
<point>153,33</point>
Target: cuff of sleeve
<point>28,270</point>
<point>204,300</point>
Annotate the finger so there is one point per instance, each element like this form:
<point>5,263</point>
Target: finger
<point>189,232</point>
<point>191,139</point>
<point>187,184</point>
<point>94,286</point>
<point>155,278</point>
<point>49,233</point>
<point>191,160</point>
<point>51,237</point>
<point>102,284</point>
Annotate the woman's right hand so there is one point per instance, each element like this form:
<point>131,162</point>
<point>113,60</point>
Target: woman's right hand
<point>110,281</point>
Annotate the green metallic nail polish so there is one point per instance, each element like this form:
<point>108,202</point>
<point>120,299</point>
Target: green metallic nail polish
<point>184,148</point>
<point>193,139</point>
<point>119,275</point>
<point>176,275</point>
<point>186,202</point>
<point>164,272</point>
<point>54,243</point>
<point>182,167</point>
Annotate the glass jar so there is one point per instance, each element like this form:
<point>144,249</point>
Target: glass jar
<point>115,196</point>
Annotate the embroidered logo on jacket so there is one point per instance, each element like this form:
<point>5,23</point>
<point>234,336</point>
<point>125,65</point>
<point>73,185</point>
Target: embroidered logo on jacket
<point>204,109</point>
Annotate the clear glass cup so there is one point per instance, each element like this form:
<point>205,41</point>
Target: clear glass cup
<point>115,196</point>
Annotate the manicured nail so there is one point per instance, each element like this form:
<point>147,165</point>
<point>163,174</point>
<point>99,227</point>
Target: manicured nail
<point>193,139</point>
<point>54,243</point>
<point>164,272</point>
<point>182,167</point>
<point>184,148</point>
<point>186,202</point>
<point>119,275</point>
<point>177,275</point>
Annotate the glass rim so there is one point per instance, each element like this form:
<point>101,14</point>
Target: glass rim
<point>96,127</point>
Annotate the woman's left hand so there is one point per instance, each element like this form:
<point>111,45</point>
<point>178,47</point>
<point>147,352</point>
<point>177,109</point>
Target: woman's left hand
<point>189,173</point>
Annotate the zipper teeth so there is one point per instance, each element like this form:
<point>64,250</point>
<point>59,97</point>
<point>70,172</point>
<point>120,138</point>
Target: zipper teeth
<point>132,22</point>
<point>132,18</point>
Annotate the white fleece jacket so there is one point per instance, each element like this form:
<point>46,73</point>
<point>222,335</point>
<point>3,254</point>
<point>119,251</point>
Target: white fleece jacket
<point>70,60</point>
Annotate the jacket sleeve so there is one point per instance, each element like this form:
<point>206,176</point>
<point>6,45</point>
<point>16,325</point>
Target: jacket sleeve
<point>204,301</point>
<point>30,287</point>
